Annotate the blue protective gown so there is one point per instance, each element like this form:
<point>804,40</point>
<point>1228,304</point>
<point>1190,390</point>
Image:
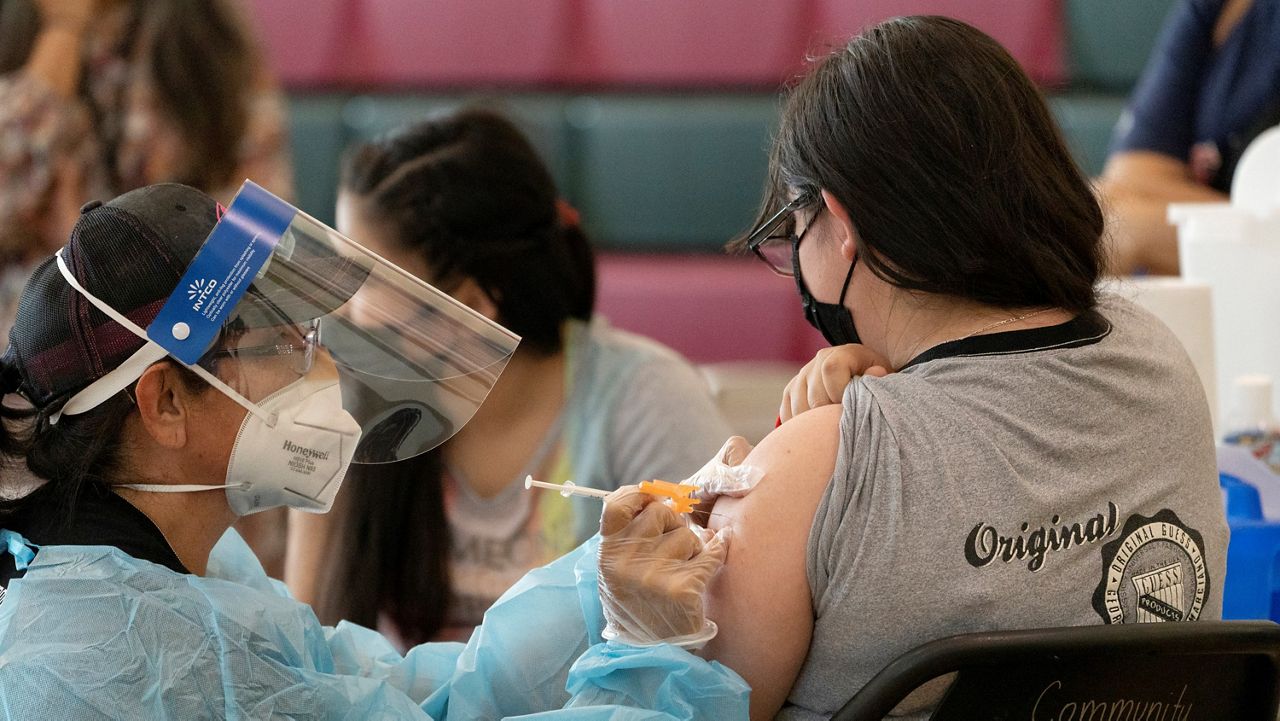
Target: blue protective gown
<point>90,632</point>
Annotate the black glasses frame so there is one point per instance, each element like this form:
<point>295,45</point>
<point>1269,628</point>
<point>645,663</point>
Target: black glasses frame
<point>765,232</point>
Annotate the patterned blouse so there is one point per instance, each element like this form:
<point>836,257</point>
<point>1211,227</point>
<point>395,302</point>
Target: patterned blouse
<point>52,157</point>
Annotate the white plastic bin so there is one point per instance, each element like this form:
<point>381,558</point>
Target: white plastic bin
<point>1234,248</point>
<point>1187,308</point>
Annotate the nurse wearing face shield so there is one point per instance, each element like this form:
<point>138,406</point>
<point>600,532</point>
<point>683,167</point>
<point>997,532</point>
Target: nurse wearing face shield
<point>179,365</point>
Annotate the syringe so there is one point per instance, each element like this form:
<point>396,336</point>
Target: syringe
<point>568,489</point>
<point>680,495</point>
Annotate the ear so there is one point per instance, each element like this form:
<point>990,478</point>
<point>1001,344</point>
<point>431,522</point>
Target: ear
<point>848,237</point>
<point>470,294</point>
<point>164,405</point>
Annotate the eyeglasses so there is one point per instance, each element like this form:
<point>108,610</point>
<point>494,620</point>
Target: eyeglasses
<point>303,354</point>
<point>777,250</point>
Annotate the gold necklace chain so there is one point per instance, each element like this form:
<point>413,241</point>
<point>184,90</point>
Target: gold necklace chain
<point>1006,321</point>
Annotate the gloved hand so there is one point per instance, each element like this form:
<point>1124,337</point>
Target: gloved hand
<point>653,570</point>
<point>724,474</point>
<point>822,380</point>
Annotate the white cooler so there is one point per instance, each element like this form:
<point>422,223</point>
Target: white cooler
<point>1234,249</point>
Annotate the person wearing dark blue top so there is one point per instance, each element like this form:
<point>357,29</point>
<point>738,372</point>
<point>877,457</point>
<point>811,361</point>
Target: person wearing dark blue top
<point>1212,85</point>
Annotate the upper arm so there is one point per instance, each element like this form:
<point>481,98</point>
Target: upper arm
<point>761,598</point>
<point>1153,176</point>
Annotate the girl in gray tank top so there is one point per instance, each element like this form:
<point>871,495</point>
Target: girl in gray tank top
<point>1014,481</point>
<point>1039,456</point>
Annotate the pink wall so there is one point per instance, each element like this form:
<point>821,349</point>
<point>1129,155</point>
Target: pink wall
<point>627,43</point>
<point>709,308</point>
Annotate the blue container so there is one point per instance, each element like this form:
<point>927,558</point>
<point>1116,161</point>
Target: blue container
<point>1241,499</point>
<point>1252,586</point>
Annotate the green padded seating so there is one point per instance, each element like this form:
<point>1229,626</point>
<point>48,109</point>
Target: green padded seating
<point>1087,120</point>
<point>669,172</point>
<point>316,140</point>
<point>680,173</point>
<point>685,171</point>
<point>1108,44</point>
<point>1108,41</point>
<point>541,117</point>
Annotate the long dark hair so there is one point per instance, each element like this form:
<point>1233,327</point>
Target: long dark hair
<point>954,174</point>
<point>470,194</point>
<point>203,64</point>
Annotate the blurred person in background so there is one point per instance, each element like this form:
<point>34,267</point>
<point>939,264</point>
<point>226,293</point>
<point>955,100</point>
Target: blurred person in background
<point>1211,86</point>
<point>420,549</point>
<point>98,97</point>
<point>168,90</point>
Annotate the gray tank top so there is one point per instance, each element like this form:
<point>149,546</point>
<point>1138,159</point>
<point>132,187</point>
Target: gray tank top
<point>1047,477</point>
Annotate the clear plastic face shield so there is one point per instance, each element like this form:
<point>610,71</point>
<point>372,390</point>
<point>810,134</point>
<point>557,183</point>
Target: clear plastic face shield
<point>306,328</point>
<point>412,363</point>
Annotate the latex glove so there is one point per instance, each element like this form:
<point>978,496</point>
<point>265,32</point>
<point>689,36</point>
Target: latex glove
<point>653,570</point>
<point>822,380</point>
<point>724,474</point>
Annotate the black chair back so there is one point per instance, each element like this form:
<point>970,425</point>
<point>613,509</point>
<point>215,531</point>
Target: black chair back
<point>1204,670</point>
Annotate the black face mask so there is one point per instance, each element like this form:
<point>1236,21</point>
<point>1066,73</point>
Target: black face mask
<point>833,320</point>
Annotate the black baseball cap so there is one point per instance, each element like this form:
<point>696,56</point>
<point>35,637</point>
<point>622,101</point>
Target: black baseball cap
<point>131,253</point>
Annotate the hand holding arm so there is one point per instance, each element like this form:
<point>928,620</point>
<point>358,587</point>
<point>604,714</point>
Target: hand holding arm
<point>822,380</point>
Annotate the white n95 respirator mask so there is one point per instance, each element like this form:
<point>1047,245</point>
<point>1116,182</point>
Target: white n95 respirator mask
<point>299,461</point>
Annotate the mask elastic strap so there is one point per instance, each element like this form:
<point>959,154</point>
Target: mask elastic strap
<point>847,279</point>
<point>187,488</point>
<point>94,394</point>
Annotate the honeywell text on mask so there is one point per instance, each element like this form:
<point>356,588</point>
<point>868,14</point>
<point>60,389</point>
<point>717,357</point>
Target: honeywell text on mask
<point>305,452</point>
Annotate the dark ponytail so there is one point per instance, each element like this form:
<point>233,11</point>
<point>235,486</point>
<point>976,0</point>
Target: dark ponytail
<point>77,451</point>
<point>580,260</point>
<point>389,552</point>
<point>470,194</point>
<point>15,415</point>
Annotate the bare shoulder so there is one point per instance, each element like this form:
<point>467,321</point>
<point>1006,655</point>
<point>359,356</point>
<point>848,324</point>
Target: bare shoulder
<point>761,597</point>
<point>803,449</point>
<point>797,459</point>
